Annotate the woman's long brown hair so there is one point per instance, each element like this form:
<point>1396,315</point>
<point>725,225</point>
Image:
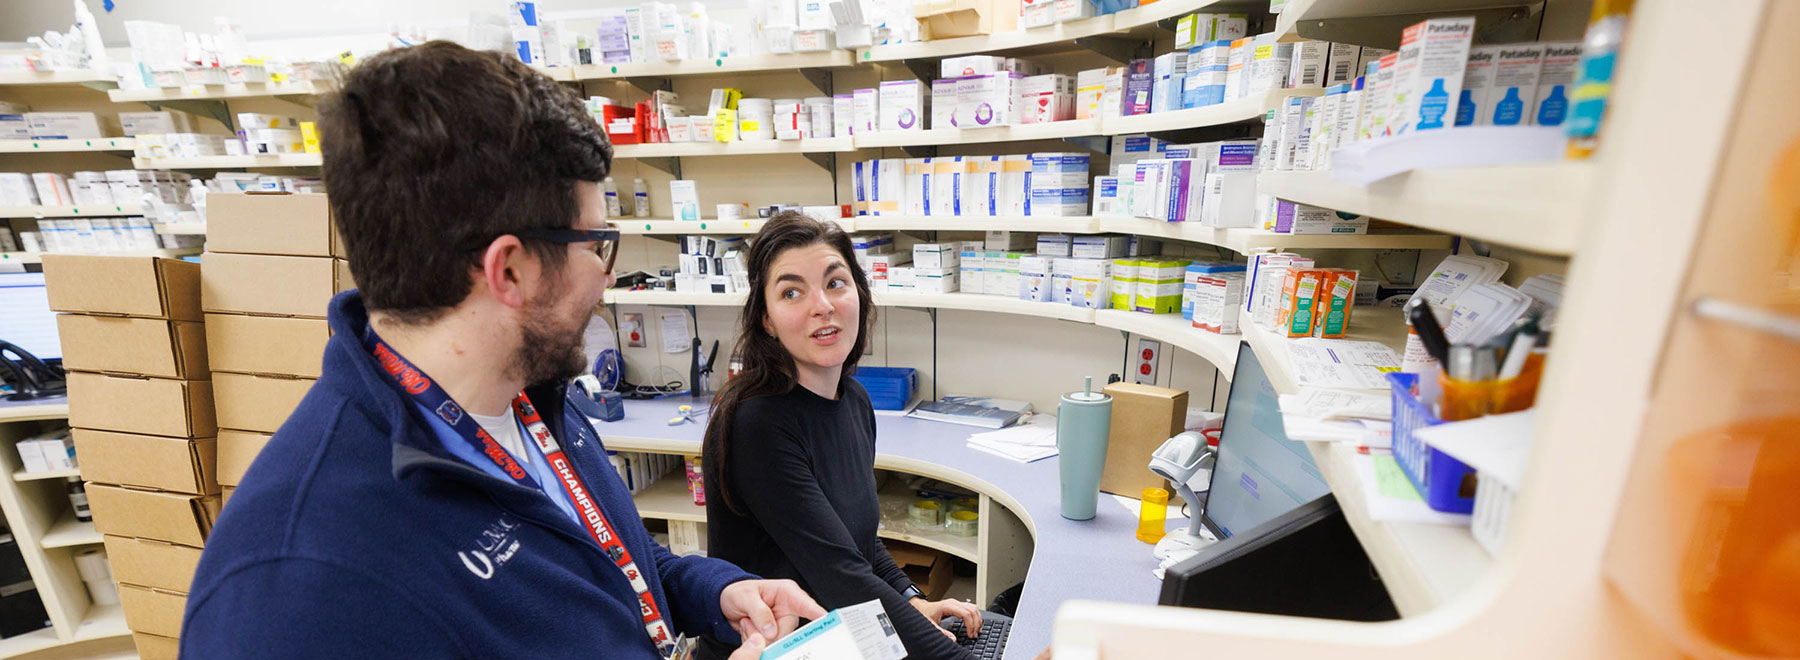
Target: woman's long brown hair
<point>768,367</point>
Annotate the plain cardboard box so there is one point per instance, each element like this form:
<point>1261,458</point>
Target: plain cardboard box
<point>123,286</point>
<point>149,347</point>
<point>151,406</point>
<point>225,496</point>
<point>344,281</point>
<point>152,563</point>
<point>153,611</point>
<point>155,647</point>
<point>269,285</point>
<point>266,344</point>
<point>177,465</point>
<point>943,19</point>
<point>150,514</point>
<point>237,450</point>
<point>928,568</point>
<point>257,403</point>
<point>1143,417</point>
<point>295,224</point>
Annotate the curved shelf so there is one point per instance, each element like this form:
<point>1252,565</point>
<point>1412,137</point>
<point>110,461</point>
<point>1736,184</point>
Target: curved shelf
<point>1534,207</point>
<point>71,77</point>
<point>1080,224</point>
<point>22,475</point>
<point>1249,108</point>
<point>81,211</point>
<point>1139,22</point>
<point>230,162</point>
<point>1377,324</point>
<point>1220,350</point>
<point>13,411</point>
<point>740,148</point>
<point>68,532</point>
<point>1056,130</point>
<point>717,65</point>
<point>38,257</point>
<point>202,92</point>
<point>651,226</point>
<point>66,146</point>
<point>1243,240</point>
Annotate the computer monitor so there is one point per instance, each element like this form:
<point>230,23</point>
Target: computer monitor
<point>1260,473</point>
<point>29,323</point>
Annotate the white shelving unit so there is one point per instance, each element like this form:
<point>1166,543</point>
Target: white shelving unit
<point>760,147</point>
<point>42,521</point>
<point>81,211</point>
<point>1249,108</point>
<point>1534,207</point>
<point>1137,22</point>
<point>187,229</point>
<point>951,136</point>
<point>38,257</point>
<point>1080,224</point>
<point>737,64</point>
<point>230,162</point>
<point>66,146</point>
<point>213,92</point>
<point>69,77</point>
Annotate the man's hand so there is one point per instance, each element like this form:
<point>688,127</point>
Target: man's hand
<point>936,610</point>
<point>766,609</point>
<point>752,649</point>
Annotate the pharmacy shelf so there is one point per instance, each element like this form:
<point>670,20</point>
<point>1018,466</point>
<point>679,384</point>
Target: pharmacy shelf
<point>204,92</point>
<point>1220,350</point>
<point>230,162</point>
<point>1533,207</point>
<point>22,475</point>
<point>1080,224</point>
<point>1379,21</point>
<point>81,211</point>
<point>648,226</point>
<point>975,302</point>
<point>57,408</point>
<point>67,532</point>
<point>101,622</point>
<point>953,136</point>
<point>1244,240</point>
<point>66,146</point>
<point>557,73</point>
<point>895,496</point>
<point>740,148</point>
<point>38,257</point>
<point>1249,108</point>
<point>717,65</point>
<point>1377,324</point>
<point>668,499</point>
<point>1137,23</point>
<point>72,77</point>
<point>185,229</point>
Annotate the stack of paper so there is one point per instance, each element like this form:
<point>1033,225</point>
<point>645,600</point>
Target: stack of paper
<point>1356,365</point>
<point>1485,311</point>
<point>1320,414</point>
<point>1453,276</point>
<point>1546,296</point>
<point>1023,443</point>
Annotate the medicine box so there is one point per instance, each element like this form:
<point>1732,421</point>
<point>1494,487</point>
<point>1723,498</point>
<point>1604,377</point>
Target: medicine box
<point>1090,88</point>
<point>684,197</point>
<point>1556,79</point>
<point>1097,247</point>
<point>943,102</point>
<point>1428,74</point>
<point>1135,98</point>
<point>1308,67</point>
<point>133,124</point>
<point>902,105</point>
<point>1009,240</point>
<point>987,100</point>
<point>1269,63</point>
<point>1337,293</point>
<point>1299,292</point>
<point>1053,245</point>
<point>946,179</point>
<point>1046,98</point>
<point>916,187</point>
<point>1511,90</point>
<point>12,122</point>
<point>1317,220</point>
<point>1342,64</point>
<point>935,256</point>
<point>63,125</point>
<point>1170,73</point>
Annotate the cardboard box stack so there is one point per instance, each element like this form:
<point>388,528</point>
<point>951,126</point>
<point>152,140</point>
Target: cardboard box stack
<point>141,405</point>
<point>273,261</point>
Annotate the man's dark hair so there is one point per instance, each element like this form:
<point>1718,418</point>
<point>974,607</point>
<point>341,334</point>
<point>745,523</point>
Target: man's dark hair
<point>433,151</point>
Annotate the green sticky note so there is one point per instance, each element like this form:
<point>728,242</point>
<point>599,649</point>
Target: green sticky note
<point>1391,482</point>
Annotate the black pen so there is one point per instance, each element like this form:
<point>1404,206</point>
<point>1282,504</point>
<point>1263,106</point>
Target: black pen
<point>1425,323</point>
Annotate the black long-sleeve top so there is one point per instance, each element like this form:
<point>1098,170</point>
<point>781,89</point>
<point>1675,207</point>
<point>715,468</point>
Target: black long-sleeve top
<point>802,468</point>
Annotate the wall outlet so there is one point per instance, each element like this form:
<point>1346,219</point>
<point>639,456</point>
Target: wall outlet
<point>1149,355</point>
<point>631,328</point>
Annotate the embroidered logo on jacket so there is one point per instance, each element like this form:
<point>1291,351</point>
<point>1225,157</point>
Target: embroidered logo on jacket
<point>493,549</point>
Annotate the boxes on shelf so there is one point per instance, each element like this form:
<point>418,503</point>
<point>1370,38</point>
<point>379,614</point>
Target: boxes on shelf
<point>177,465</point>
<point>152,563</point>
<point>260,403</point>
<point>242,344</point>
<point>272,223</point>
<point>237,450</point>
<point>153,611</point>
<point>174,517</point>
<point>270,285</point>
<point>134,404</point>
<point>148,287</point>
<point>144,346</point>
<point>1428,74</point>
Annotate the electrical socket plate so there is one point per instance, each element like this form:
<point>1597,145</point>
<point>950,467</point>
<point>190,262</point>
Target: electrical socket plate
<point>632,327</point>
<point>1149,354</point>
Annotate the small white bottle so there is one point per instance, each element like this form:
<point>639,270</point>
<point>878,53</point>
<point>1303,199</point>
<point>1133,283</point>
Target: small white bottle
<point>640,198</point>
<point>613,210</point>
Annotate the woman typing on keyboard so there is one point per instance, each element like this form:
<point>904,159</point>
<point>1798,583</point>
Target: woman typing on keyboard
<point>789,453</point>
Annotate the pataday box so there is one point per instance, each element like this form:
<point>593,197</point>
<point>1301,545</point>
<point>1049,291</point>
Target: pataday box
<point>1428,74</point>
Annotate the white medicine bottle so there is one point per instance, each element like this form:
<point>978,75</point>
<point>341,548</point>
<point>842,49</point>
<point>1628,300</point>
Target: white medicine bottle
<point>640,198</point>
<point>613,210</point>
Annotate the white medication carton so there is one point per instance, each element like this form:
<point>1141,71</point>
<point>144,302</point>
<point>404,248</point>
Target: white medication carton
<point>902,105</point>
<point>1556,79</point>
<point>1307,70</point>
<point>1428,74</point>
<point>1378,87</point>
<point>1500,85</point>
<point>850,633</point>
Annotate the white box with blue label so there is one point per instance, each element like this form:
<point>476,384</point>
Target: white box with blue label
<point>1428,74</point>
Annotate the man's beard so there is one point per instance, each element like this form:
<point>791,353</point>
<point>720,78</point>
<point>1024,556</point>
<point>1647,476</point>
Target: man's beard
<point>548,353</point>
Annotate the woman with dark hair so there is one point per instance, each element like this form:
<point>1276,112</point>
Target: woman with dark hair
<point>789,455</point>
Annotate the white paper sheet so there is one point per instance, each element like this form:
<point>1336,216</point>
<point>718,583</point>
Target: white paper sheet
<point>1326,403</point>
<point>675,332</point>
<point>1357,365</point>
<point>1385,490</point>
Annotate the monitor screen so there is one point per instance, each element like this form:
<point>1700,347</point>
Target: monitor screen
<point>29,322</point>
<point>1260,473</point>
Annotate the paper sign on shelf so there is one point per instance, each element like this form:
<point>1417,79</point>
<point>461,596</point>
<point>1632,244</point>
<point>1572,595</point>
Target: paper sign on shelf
<point>674,332</point>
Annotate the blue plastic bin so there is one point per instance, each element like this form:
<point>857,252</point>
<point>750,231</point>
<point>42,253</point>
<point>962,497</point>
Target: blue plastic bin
<point>1438,477</point>
<point>890,388</point>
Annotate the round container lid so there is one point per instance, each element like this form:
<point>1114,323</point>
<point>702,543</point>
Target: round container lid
<point>1086,397</point>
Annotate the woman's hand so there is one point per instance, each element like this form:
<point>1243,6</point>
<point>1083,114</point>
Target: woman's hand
<point>936,610</point>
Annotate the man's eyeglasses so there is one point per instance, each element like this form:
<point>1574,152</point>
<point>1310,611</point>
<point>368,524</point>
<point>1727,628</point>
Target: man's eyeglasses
<point>606,241</point>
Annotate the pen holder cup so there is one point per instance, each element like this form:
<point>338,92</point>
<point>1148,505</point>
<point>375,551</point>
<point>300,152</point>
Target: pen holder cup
<point>1446,483</point>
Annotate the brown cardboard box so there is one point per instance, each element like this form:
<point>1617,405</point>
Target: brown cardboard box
<point>123,286</point>
<point>1143,417</point>
<point>149,563</point>
<point>266,344</point>
<point>149,514</point>
<point>149,347</point>
<point>271,223</point>
<point>176,465</point>
<point>152,406</point>
<point>155,647</point>
<point>944,19</point>
<point>257,403</point>
<point>237,450</point>
<point>154,611</point>
<point>225,496</point>
<point>267,285</point>
<point>344,281</point>
<point>928,568</point>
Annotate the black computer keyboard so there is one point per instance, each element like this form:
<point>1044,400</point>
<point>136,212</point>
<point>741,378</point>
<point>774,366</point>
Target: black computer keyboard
<point>991,642</point>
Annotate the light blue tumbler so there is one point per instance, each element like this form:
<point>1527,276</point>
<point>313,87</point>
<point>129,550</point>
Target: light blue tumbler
<point>1083,421</point>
